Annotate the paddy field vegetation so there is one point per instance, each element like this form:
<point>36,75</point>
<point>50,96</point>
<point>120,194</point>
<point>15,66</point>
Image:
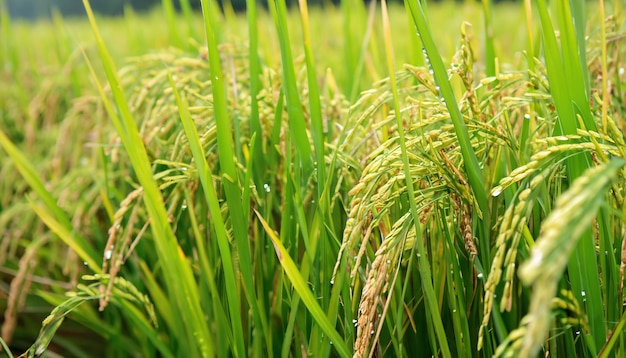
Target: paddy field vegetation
<point>417,179</point>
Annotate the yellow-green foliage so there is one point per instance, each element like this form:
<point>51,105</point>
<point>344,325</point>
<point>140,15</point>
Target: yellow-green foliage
<point>383,193</point>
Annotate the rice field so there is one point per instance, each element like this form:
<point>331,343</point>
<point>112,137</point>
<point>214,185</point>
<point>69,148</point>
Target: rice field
<point>403,180</point>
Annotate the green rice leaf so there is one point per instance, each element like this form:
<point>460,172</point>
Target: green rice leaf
<point>303,291</point>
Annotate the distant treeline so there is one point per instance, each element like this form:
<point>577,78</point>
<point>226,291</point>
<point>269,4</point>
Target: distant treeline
<point>43,8</point>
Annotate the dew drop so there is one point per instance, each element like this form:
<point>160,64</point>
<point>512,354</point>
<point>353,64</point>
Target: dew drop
<point>108,254</point>
<point>480,275</point>
<point>267,188</point>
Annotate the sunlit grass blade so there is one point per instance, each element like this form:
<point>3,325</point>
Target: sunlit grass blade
<point>302,289</point>
<point>177,273</point>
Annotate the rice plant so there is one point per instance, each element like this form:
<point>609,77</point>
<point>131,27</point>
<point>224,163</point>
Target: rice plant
<point>306,181</point>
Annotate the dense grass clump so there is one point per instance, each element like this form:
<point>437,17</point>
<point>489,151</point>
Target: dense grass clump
<point>354,180</point>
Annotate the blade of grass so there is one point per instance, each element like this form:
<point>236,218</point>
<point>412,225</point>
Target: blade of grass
<point>52,323</point>
<point>470,160</point>
<point>170,16</point>
<point>67,235</point>
<point>187,11</point>
<point>567,86</point>
<point>177,273</point>
<point>490,52</point>
<point>564,71</point>
<point>300,286</point>
<point>578,14</point>
<point>223,239</point>
<point>297,124</point>
<point>230,179</point>
<point>209,272</point>
<point>158,297</point>
<point>315,106</point>
<point>53,214</point>
<point>424,268</point>
<point>357,75</point>
<point>5,348</point>
<point>456,294</point>
<point>9,53</point>
<point>618,331</point>
<point>255,87</point>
